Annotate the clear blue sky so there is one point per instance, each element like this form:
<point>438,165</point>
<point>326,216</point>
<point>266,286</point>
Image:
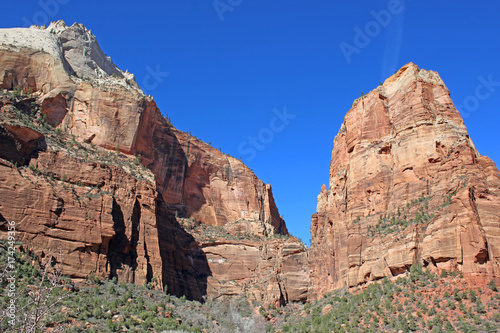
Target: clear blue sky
<point>230,67</point>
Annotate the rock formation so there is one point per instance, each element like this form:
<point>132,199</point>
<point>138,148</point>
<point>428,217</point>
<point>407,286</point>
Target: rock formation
<point>97,217</point>
<point>92,173</point>
<point>243,260</point>
<point>406,186</point>
<point>90,169</point>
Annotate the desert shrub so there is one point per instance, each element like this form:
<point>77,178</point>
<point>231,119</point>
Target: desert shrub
<point>472,295</point>
<point>492,285</point>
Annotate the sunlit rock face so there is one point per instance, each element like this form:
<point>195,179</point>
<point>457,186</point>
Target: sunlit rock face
<point>406,186</point>
<point>109,219</point>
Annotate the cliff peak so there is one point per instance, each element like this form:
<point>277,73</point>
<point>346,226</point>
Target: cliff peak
<point>76,47</point>
<point>406,186</point>
<point>119,190</point>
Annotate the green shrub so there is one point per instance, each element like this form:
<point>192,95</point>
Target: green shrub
<point>492,285</point>
<point>97,313</point>
<point>472,295</point>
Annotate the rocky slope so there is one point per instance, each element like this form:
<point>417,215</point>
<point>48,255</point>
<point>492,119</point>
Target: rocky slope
<point>90,168</point>
<point>406,186</point>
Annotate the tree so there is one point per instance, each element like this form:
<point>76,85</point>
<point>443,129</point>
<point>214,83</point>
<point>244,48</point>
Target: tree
<point>40,301</point>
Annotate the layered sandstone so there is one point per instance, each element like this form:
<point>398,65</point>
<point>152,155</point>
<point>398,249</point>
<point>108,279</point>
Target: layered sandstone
<point>250,258</point>
<point>69,191</point>
<point>199,181</point>
<point>272,271</point>
<point>83,93</point>
<point>95,216</point>
<point>406,186</point>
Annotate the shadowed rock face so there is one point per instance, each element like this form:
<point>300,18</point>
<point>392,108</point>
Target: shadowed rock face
<point>406,186</point>
<point>243,260</point>
<point>102,217</point>
<point>92,217</point>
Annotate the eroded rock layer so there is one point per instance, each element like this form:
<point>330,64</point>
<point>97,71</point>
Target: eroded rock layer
<point>99,219</point>
<point>245,257</point>
<point>406,186</point>
<point>91,170</point>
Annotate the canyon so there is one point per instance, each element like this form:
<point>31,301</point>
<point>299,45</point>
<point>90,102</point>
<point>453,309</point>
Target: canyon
<point>98,179</point>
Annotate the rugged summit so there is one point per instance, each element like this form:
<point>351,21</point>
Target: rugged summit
<point>90,169</point>
<point>406,186</point>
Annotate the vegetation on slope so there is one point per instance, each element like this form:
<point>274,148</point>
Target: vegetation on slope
<point>416,213</point>
<point>108,306</point>
<point>420,301</point>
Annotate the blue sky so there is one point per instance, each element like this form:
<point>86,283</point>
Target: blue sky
<point>285,72</point>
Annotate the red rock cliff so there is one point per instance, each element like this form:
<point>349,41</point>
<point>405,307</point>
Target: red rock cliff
<point>406,186</point>
<point>83,93</point>
<point>69,191</point>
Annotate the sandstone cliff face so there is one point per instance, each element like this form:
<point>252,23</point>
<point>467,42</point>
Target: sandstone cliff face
<point>89,97</point>
<point>268,271</point>
<point>244,260</point>
<point>106,214</point>
<point>406,186</point>
<point>97,216</point>
<point>199,181</point>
